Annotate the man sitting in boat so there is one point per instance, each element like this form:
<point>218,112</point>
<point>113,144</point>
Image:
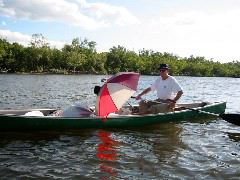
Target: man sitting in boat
<point>168,91</point>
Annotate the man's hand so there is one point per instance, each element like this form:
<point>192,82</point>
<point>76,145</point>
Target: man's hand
<point>171,103</point>
<point>138,97</point>
<point>145,91</point>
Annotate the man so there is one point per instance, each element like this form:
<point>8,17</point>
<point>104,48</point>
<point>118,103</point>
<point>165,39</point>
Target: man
<point>168,92</point>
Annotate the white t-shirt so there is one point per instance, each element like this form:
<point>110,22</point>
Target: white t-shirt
<point>166,89</point>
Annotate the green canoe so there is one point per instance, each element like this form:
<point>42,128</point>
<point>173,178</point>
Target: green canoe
<point>11,120</point>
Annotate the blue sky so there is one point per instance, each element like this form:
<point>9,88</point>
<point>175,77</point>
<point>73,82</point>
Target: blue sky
<point>208,28</point>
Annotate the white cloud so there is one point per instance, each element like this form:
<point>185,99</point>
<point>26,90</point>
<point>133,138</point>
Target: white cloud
<point>25,39</point>
<point>57,44</point>
<point>109,14</point>
<point>75,12</point>
<point>199,30</point>
<point>15,37</point>
<point>198,33</point>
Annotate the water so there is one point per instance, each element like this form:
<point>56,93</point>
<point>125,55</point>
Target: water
<point>185,150</point>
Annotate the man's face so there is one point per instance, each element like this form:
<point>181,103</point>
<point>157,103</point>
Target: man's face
<point>163,71</point>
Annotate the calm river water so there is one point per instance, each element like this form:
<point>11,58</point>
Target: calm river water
<point>185,150</point>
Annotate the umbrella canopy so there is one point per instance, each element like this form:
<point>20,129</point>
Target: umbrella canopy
<point>115,92</point>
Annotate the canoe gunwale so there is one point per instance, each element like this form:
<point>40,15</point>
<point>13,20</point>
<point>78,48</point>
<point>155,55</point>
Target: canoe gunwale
<point>109,117</point>
<point>45,123</point>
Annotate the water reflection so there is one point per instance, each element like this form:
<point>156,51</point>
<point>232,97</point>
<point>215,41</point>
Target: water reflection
<point>165,142</point>
<point>107,154</point>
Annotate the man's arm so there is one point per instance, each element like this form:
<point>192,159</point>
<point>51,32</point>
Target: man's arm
<point>178,96</point>
<point>145,91</point>
<point>173,101</point>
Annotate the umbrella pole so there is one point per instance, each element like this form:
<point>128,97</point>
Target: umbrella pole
<point>130,105</point>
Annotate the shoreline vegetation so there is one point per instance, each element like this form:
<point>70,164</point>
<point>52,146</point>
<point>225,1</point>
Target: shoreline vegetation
<point>81,57</point>
<point>85,73</point>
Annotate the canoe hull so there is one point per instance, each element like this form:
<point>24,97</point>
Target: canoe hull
<point>22,123</point>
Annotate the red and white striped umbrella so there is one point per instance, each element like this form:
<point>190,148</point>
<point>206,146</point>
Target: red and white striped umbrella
<point>115,92</point>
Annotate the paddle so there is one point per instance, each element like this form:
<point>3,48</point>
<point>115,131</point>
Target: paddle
<point>231,118</point>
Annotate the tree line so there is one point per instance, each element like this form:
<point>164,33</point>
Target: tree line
<point>81,57</point>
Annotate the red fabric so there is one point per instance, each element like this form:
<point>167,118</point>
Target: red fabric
<point>106,104</point>
<point>127,79</point>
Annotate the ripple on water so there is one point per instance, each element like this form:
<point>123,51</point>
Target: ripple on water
<point>209,150</point>
<point>194,150</point>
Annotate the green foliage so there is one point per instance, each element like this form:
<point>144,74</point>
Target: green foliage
<point>119,59</point>
<point>81,57</point>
